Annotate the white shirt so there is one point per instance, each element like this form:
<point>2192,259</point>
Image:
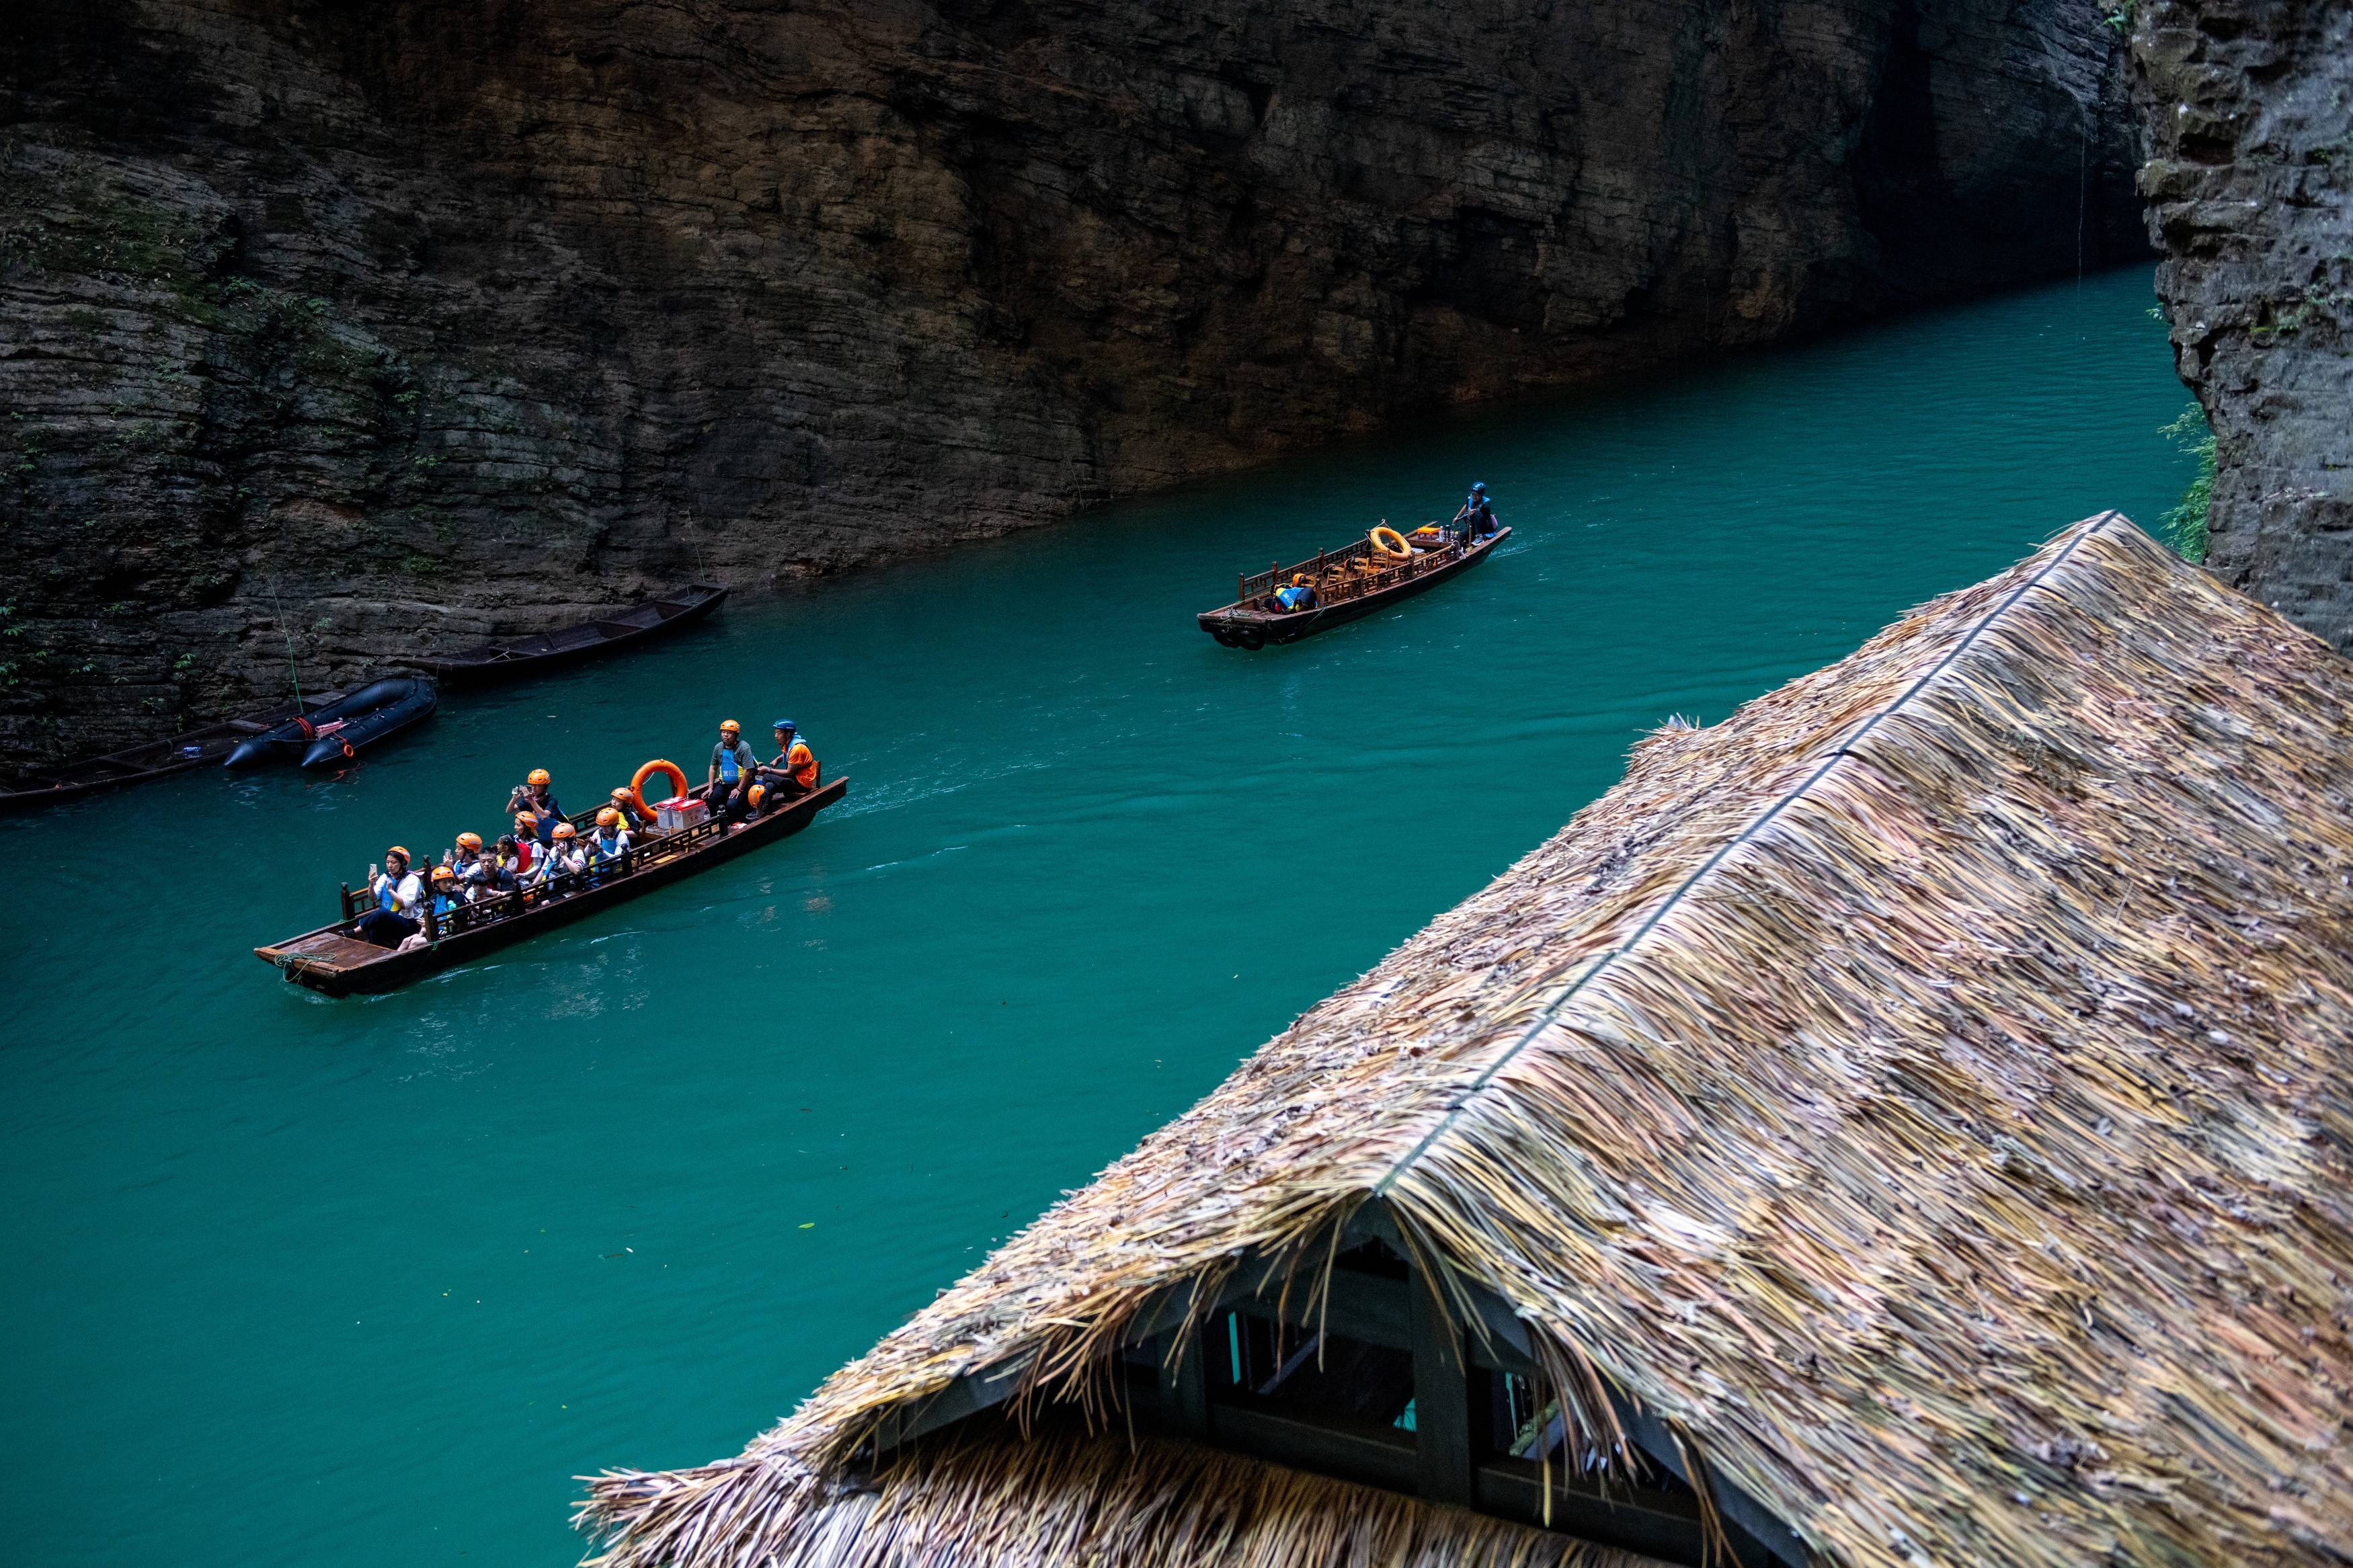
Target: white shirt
<point>405,893</point>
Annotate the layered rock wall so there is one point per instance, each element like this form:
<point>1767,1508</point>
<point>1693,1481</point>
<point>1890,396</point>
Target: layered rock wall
<point>372,325</point>
<point>2249,105</point>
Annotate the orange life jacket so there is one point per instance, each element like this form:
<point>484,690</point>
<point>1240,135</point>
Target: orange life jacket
<point>803,763</point>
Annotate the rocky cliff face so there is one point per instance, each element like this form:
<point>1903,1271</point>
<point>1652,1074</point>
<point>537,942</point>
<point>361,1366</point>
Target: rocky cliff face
<point>381,323</point>
<point>2249,106</point>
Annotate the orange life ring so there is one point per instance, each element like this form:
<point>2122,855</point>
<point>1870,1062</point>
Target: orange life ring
<point>1403,552</point>
<point>638,784</point>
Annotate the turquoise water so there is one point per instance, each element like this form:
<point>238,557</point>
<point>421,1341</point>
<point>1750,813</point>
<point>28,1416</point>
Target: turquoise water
<point>294,1281</point>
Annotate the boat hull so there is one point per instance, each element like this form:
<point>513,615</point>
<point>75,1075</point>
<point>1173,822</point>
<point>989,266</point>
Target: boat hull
<point>138,764</point>
<point>326,961</point>
<point>1252,629</point>
<point>517,656</point>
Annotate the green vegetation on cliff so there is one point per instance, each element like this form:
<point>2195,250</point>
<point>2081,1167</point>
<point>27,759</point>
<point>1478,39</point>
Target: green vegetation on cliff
<point>2185,523</point>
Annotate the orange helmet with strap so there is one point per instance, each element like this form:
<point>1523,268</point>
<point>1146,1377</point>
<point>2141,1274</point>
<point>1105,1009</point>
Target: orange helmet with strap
<point>472,841</point>
<point>565,830</point>
<point>537,777</point>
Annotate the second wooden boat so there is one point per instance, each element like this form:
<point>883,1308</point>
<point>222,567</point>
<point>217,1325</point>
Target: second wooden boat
<point>334,960</point>
<point>548,650</point>
<point>33,787</point>
<point>1349,583</point>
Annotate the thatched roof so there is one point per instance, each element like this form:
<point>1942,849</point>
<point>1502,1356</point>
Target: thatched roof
<point>1925,1090</point>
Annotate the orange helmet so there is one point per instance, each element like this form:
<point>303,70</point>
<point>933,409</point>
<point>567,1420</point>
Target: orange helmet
<point>621,791</point>
<point>526,823</point>
<point>443,874</point>
<point>471,841</point>
<point>758,792</point>
<point>399,849</point>
<point>565,830</point>
<point>729,727</point>
<point>537,777</point>
<point>1297,578</point>
<point>608,818</point>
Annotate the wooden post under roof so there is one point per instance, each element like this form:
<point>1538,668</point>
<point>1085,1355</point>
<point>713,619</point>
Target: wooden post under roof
<point>1442,1400</point>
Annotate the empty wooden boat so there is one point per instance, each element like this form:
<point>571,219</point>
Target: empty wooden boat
<point>550,650</point>
<point>29,788</point>
<point>1348,584</point>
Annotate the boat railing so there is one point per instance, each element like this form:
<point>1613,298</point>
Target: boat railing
<point>1339,575</point>
<point>646,850</point>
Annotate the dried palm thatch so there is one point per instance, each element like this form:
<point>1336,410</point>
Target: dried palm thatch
<point>1926,1089</point>
<point>977,1502</point>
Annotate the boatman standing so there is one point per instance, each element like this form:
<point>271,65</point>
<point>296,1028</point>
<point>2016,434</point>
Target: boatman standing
<point>536,795</point>
<point>733,768</point>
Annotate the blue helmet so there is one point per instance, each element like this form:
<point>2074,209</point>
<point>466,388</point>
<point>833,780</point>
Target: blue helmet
<point>1479,489</point>
<point>784,724</point>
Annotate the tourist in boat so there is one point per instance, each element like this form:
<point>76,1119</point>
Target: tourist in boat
<point>466,860</point>
<point>536,794</point>
<point>530,854</point>
<point>567,859</point>
<point>612,838</point>
<point>1298,594</point>
<point>398,893</point>
<point>501,875</point>
<point>733,769</point>
<point>448,896</point>
<point>634,817</point>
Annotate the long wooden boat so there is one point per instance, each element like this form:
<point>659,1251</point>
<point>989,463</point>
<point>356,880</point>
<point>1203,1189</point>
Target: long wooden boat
<point>334,960</point>
<point>549,650</point>
<point>34,787</point>
<point>1349,585</point>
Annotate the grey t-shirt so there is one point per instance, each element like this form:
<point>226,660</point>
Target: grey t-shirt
<point>745,759</point>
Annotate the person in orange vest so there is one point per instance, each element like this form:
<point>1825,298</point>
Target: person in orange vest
<point>795,772</point>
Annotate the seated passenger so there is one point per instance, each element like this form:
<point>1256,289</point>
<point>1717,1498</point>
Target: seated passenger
<point>566,858</point>
<point>531,856</point>
<point>633,817</point>
<point>1299,596</point>
<point>613,837</point>
<point>398,894</point>
<point>448,897</point>
<point>466,860</point>
<point>732,767</point>
<point>499,876</point>
<point>536,795</point>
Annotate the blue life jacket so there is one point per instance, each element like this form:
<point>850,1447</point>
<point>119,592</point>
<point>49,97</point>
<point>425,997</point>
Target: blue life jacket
<point>731,767</point>
<point>1293,597</point>
<point>383,899</point>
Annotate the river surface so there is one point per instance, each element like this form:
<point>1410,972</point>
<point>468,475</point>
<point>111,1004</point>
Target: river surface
<point>292,1281</point>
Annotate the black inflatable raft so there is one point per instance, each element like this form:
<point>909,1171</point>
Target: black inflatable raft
<point>340,730</point>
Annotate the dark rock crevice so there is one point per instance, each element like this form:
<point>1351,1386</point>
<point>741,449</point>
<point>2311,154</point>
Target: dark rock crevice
<point>2248,107</point>
<point>426,317</point>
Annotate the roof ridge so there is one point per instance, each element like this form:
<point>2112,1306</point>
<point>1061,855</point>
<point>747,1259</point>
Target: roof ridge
<point>1547,1015</point>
